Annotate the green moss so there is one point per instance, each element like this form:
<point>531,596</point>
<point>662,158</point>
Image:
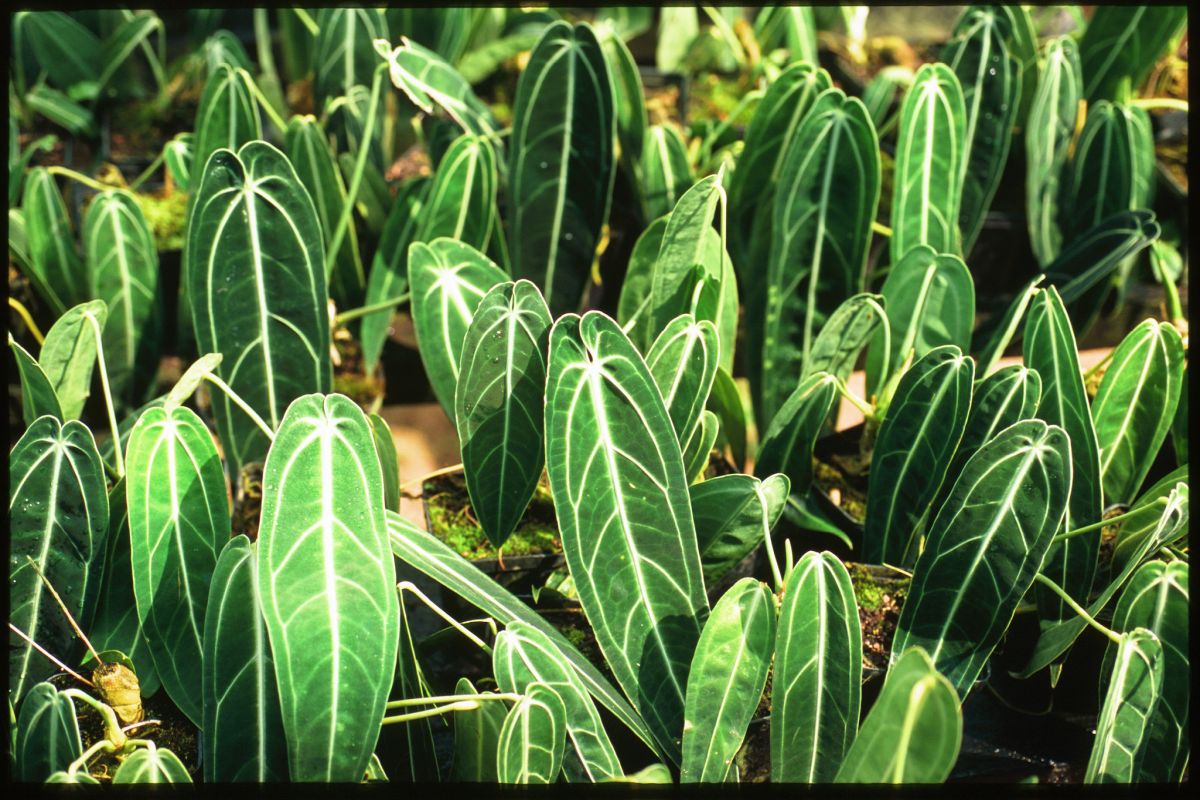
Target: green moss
<point>869,588</point>
<point>453,521</point>
<point>575,636</point>
<point>166,216</point>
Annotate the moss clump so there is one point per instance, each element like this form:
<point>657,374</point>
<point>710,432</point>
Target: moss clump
<point>879,602</point>
<point>166,214</point>
<point>453,521</point>
<point>575,636</point>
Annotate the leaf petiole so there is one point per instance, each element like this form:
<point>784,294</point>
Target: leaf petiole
<point>1104,523</point>
<point>108,400</point>
<point>867,411</point>
<point>362,311</point>
<point>335,241</point>
<point>408,586</point>
<point>78,177</point>
<point>242,404</point>
<point>881,229</point>
<point>464,705</point>
<point>16,305</point>
<point>112,727</point>
<point>1078,609</point>
<point>453,698</point>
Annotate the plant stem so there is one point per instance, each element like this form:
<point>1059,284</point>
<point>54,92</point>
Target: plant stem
<point>1161,102</point>
<point>452,698</point>
<point>1094,368</point>
<point>63,606</point>
<point>242,404</point>
<point>307,21</point>
<point>434,474</point>
<point>147,172</point>
<point>1104,523</point>
<point>465,705</point>
<point>79,177</point>
<point>408,586</point>
<point>112,727</point>
<point>362,311</point>
<point>881,229</point>
<point>272,114</point>
<point>867,411</point>
<point>766,526</point>
<point>81,762</point>
<point>887,334</point>
<point>1078,609</point>
<point>335,241</point>
<point>49,656</point>
<point>112,413</point>
<point>16,305</point>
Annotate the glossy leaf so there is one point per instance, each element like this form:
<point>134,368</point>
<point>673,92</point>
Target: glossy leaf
<point>915,445</point>
<point>254,266</point>
<point>788,443</point>
<point>345,53</point>
<point>476,739</point>
<point>1137,527</point>
<point>828,193</point>
<point>242,730</point>
<point>843,336</point>
<point>733,514</point>
<point>447,280</point>
<point>1125,42</point>
<point>385,448</point>
<point>715,295</point>
<point>69,354</point>
<point>1050,349</point>
<point>665,171</point>
<point>57,516</point>
<point>622,506</point>
<point>1134,694</point>
<point>984,549</point>
<point>629,99</point>
<point>532,738</point>
<point>430,82</point>
<point>524,657</point>
<point>328,584</point>
<point>46,734</point>
<point>122,265</point>
<point>227,116</point>
<point>1048,133</point>
<point>726,402</point>
<point>499,402</point>
<point>57,270</point>
<point>817,685</point>
<point>37,395</point>
<point>151,765</point>
<point>930,152</point>
<point>726,680</point>
<point>178,523</point>
<point>912,733</point>
<point>683,363</point>
<point>461,203</point>
<point>561,163</point>
<point>1135,405</point>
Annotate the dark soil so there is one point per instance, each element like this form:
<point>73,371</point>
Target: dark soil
<point>572,623</point>
<point>879,602</point>
<point>452,520</point>
<point>348,375</point>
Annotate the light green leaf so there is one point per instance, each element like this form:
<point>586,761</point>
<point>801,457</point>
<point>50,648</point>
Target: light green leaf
<point>47,735</point>
<point>683,363</point>
<point>179,154</point>
<point>227,116</point>
<point>726,402</point>
<point>61,110</point>
<point>476,739</point>
<point>1134,694</point>
<point>429,82</point>
<point>57,271</point>
<point>698,448</point>
<point>665,171</point>
<point>69,354</point>
<point>1125,42</point>
<point>678,27</point>
<point>151,765</point>
<point>734,514</point>
<point>37,395</point>
<point>633,307</point>
<point>385,448</point>
<point>345,53</point>
<point>532,738</point>
<point>843,336</point>
<point>1137,527</point>
<point>788,443</point>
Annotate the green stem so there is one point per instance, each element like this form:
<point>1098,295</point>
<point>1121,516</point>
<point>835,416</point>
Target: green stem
<point>452,698</point>
<point>383,305</point>
<point>887,334</point>
<point>1092,370</point>
<point>766,526</point>
<point>76,176</point>
<point>1161,102</point>
<point>1104,523</point>
<point>408,586</point>
<point>27,319</point>
<point>112,727</point>
<point>335,241</point>
<point>108,400</point>
<point>1078,609</point>
<point>307,21</point>
<point>272,114</point>
<point>465,705</point>
<point>81,762</point>
<point>242,404</point>
<point>147,172</point>
<point>867,411</point>
<point>881,229</point>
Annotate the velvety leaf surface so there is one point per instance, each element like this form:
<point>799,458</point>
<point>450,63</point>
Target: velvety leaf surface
<point>227,116</point>
<point>1125,41</point>
<point>46,736</point>
<point>69,353</point>
<point>1134,694</point>
<point>532,738</point>
<point>665,171</point>
<point>733,514</point>
<point>788,443</point>
<point>152,765</point>
<point>476,739</point>
<point>344,54</point>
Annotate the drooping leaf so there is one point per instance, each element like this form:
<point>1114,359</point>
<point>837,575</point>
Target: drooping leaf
<point>254,266</point>
<point>60,109</point>
<point>345,52</point>
<point>929,164</point>
<point>178,523</point>
<point>38,398</point>
<point>476,739</point>
<point>561,163</point>
<point>242,730</point>
<point>1050,349</point>
<point>328,584</point>
<point>984,549</point>
<point>532,738</point>
<point>227,116</point>
<point>498,404</point>
<point>151,765</point>
<point>57,270</point>
<point>1125,42</point>
<point>726,680</point>
<point>1134,694</point>
<point>788,443</point>
<point>665,171</point>
<point>629,100</point>
<point>915,445</point>
<point>461,203</point>
<point>1048,133</point>
<point>524,656</point>
<point>622,506</point>
<point>69,353</point>
<point>912,733</point>
<point>46,734</point>
<point>429,81</point>
<point>385,448</point>
<point>447,280</point>
<point>122,265</point>
<point>1135,405</point>
<point>733,514</point>
<point>817,685</point>
<point>65,49</point>
<point>828,192</point>
<point>57,516</point>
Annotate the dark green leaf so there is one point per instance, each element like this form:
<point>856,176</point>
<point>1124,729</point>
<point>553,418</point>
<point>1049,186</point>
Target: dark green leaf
<point>629,99</point>
<point>61,110</point>
<point>633,307</point>
<point>683,363</point>
<point>345,52</point>
<point>429,82</point>
<point>665,171</point>
<point>733,514</point>
<point>461,203</point>
<point>476,739</point>
<point>69,53</point>
<point>1125,42</point>
<point>227,116</point>
<point>699,447</point>
<point>57,270</point>
<point>385,448</point>
<point>726,402</point>
<point>991,340</point>
<point>46,733</point>
<point>844,334</point>
<point>180,157</point>
<point>1135,529</point>
<point>788,443</point>
<point>419,758</point>
<point>151,765</point>
<point>1134,694</point>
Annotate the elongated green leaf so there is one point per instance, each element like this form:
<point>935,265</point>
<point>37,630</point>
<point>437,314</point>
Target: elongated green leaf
<point>433,558</point>
<point>984,549</point>
<point>1136,528</point>
<point>61,110</point>
<point>990,75</point>
<point>227,116</point>
<point>178,522</point>
<point>532,738</point>
<point>255,274</point>
<point>665,171</point>
<point>385,448</point>
<point>498,404</point>
<point>122,265</point>
<point>828,193</point>
<point>120,45</point>
<point>46,734</point>
<point>1050,349</point>
<point>843,336</point>
<point>916,443</point>
<point>1156,599</point>
<point>726,402</point>
<point>1048,133</point>
<point>58,271</point>
<point>733,514</point>
<point>1134,694</point>
<point>18,160</point>
<point>179,154</point>
<point>57,516</point>
<point>788,443</point>
<point>629,100</point>
<point>793,27</point>
<point>679,27</point>
<point>243,731</point>
<point>930,152</point>
<point>990,341</point>
<point>621,494</point>
<point>389,269</point>
<point>476,739</point>
<point>930,303</point>
<point>224,47</point>
<point>698,448</point>
<point>328,586</point>
<point>726,680</point>
<point>1135,405</point>
<point>68,52</point>
<point>447,280</point>
<point>347,123</point>
<point>429,82</point>
<point>1125,42</point>
<point>69,353</point>
<point>1170,523</point>
<point>561,163</point>
<point>37,395</point>
<point>817,685</point>
<point>445,30</point>
<point>715,296</point>
<point>462,201</point>
<point>307,148</point>
<point>633,308</point>
<point>683,363</point>
<point>345,53</point>
<point>913,732</point>
<point>1095,256</point>
<point>523,656</point>
<point>152,765</point>
<point>1179,426</point>
<point>418,747</point>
